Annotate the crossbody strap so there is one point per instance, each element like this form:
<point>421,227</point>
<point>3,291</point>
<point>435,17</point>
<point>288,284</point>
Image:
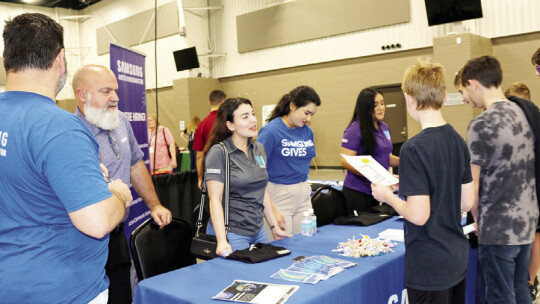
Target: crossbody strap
<point>204,192</point>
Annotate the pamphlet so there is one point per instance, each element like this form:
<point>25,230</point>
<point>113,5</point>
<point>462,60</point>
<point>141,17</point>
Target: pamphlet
<point>256,292</point>
<point>392,235</point>
<point>371,169</point>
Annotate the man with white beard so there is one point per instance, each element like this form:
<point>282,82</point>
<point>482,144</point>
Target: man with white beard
<point>95,89</point>
<point>56,210</point>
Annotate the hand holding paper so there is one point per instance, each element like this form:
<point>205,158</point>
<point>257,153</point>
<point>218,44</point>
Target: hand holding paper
<point>371,169</point>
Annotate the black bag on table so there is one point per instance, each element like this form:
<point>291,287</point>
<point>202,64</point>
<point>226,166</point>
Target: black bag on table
<point>203,246</point>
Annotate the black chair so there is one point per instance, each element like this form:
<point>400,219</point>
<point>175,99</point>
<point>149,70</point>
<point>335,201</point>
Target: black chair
<point>328,203</point>
<point>156,251</point>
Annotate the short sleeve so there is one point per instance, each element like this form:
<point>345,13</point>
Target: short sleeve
<point>198,140</point>
<point>136,153</point>
<point>479,137</point>
<point>467,175</point>
<point>312,138</point>
<point>214,164</point>
<point>267,140</point>
<point>413,179</point>
<point>352,138</point>
<point>71,166</point>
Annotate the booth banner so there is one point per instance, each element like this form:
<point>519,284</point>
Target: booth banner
<point>128,66</point>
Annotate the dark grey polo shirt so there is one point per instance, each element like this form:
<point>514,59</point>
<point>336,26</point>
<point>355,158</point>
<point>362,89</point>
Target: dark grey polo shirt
<point>248,180</point>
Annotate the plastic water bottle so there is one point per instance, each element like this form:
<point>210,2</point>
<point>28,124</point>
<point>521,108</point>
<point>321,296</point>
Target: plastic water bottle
<point>307,228</point>
<point>313,218</point>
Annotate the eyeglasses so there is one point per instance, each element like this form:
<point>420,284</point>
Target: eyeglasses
<point>537,68</point>
<point>114,145</point>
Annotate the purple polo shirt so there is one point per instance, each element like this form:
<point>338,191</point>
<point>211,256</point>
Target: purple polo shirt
<point>118,148</point>
<point>352,140</point>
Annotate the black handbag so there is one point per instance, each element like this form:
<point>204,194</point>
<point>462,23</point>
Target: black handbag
<point>203,246</point>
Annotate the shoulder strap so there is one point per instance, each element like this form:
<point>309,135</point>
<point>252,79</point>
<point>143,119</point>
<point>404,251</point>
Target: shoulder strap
<point>164,137</point>
<point>225,194</point>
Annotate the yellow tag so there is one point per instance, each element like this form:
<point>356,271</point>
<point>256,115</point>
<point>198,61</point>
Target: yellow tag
<point>365,161</point>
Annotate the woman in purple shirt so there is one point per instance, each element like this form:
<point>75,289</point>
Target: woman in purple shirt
<point>365,135</point>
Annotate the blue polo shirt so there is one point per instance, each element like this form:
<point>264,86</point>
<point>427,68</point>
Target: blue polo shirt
<point>49,167</point>
<point>289,151</point>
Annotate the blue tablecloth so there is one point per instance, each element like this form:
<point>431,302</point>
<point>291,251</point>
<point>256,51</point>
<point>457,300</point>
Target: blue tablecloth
<point>377,279</point>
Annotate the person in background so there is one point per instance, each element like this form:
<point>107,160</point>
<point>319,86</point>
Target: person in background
<point>501,143</point>
<point>165,158</point>
<point>518,89</point>
<point>435,179</point>
<point>535,60</point>
<point>188,135</point>
<point>290,147</point>
<point>366,134</point>
<point>56,209</point>
<point>202,133</point>
<point>95,87</point>
<point>235,125</point>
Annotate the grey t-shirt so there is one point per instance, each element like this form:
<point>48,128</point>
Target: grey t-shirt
<point>247,182</point>
<point>501,142</point>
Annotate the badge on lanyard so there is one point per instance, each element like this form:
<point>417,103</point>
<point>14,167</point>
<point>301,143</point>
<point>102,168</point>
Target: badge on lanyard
<point>260,161</point>
<point>387,134</point>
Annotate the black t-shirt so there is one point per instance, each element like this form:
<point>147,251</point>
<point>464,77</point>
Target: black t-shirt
<point>436,162</point>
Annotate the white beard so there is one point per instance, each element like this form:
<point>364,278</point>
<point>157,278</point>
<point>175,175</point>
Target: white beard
<point>103,118</point>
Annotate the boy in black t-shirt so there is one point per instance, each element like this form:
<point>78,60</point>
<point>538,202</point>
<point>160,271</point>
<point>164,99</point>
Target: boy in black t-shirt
<point>435,178</point>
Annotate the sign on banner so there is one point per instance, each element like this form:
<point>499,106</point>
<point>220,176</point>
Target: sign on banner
<point>128,66</point>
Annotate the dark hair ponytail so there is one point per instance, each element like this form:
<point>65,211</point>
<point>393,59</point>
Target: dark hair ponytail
<point>363,113</point>
<point>301,96</point>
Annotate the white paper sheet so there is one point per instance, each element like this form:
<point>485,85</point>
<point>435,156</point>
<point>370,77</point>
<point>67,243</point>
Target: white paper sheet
<point>371,169</point>
<point>393,235</point>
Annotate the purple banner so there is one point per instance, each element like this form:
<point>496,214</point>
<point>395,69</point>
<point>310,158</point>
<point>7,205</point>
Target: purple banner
<point>128,66</point>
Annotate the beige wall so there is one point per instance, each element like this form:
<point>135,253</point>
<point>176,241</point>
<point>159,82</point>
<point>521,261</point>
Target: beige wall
<point>338,84</point>
<point>186,98</point>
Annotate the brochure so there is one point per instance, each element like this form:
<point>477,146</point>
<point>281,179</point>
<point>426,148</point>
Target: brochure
<point>256,292</point>
<point>371,169</point>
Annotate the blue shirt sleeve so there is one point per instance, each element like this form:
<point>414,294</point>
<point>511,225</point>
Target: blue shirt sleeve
<point>267,139</point>
<point>71,165</point>
<point>136,152</point>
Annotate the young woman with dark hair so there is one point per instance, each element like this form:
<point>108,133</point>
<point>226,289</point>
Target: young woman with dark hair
<point>365,135</point>
<point>235,125</point>
<point>290,146</point>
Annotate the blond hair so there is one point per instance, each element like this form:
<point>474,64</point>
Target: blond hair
<point>195,120</point>
<point>425,82</point>
<point>518,89</point>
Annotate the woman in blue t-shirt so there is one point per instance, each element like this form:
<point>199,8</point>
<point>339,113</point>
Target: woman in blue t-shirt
<point>365,135</point>
<point>289,148</point>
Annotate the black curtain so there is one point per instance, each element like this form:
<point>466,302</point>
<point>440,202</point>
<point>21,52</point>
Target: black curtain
<point>179,193</point>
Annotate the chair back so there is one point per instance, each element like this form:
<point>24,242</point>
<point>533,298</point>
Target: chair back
<point>328,203</point>
<point>156,251</point>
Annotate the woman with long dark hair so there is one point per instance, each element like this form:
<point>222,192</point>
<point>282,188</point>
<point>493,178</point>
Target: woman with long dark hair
<point>290,146</point>
<point>235,125</point>
<point>366,134</point>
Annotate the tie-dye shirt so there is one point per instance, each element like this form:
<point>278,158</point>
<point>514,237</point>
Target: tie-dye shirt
<point>501,142</point>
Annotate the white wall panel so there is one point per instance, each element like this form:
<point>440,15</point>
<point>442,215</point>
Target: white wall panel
<point>71,37</point>
<point>501,18</point>
<point>108,11</point>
